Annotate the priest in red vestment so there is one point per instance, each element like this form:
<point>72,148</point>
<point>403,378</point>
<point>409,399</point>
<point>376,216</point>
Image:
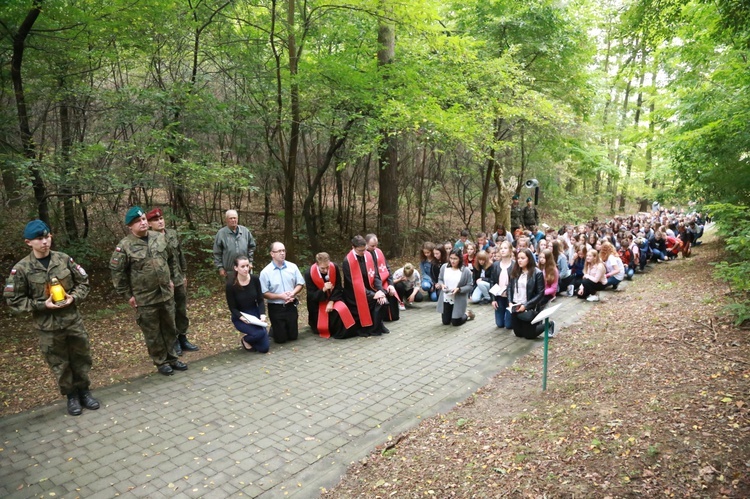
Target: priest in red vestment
<point>328,315</point>
<point>363,290</point>
<point>389,312</point>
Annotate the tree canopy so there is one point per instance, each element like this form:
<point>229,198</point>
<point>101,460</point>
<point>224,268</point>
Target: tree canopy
<point>306,114</point>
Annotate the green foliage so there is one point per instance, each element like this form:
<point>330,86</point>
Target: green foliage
<point>733,222</point>
<point>84,252</point>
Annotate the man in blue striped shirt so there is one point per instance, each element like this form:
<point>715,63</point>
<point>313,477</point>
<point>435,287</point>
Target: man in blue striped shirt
<point>281,282</point>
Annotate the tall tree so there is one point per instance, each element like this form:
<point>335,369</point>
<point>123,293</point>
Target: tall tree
<point>388,202</point>
<point>27,139</point>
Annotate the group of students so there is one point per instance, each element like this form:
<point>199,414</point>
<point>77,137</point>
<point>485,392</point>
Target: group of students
<point>521,270</point>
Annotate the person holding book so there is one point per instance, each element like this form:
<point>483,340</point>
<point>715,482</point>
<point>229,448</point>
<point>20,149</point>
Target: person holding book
<point>245,301</point>
<point>525,294</point>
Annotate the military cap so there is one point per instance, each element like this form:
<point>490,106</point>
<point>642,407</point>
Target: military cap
<point>515,196</point>
<point>528,200</point>
<point>154,214</point>
<point>133,213</point>
<point>34,229</point>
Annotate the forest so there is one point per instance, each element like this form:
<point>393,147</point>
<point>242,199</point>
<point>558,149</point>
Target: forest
<point>319,120</point>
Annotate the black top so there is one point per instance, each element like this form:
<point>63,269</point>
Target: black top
<point>534,289</point>
<point>245,298</point>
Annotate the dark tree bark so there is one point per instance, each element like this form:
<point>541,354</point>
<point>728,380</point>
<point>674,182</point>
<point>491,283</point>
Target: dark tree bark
<point>66,139</point>
<point>27,140</point>
<point>388,227</point>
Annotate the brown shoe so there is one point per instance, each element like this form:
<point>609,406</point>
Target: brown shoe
<point>470,315</point>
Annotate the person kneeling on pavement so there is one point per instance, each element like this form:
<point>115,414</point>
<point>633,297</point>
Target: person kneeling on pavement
<point>525,294</point>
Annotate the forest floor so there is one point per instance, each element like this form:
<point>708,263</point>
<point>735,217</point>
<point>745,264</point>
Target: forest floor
<point>647,396</point>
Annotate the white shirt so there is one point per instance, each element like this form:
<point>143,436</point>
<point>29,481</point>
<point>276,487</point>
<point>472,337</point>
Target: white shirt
<point>451,278</point>
<point>519,296</point>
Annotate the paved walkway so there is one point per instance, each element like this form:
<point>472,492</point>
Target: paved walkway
<point>268,426</point>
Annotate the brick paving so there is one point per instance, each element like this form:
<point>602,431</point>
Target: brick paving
<point>279,425</point>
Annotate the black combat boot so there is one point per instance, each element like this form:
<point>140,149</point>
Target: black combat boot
<point>185,344</point>
<point>74,404</point>
<point>177,348</point>
<point>88,401</point>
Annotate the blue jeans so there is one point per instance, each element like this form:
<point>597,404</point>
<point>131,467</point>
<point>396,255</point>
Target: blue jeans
<point>255,336</point>
<point>503,318</point>
<point>428,288</point>
<point>657,255</point>
<point>629,272</point>
<point>481,292</point>
<point>612,281</point>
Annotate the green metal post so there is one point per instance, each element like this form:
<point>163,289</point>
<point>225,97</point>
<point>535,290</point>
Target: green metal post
<point>546,346</point>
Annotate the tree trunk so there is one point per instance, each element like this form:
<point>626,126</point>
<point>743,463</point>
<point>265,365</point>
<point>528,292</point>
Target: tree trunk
<point>290,170</point>
<point>66,140</point>
<point>27,140</point>
<point>334,144</point>
<point>636,120</point>
<point>388,229</point>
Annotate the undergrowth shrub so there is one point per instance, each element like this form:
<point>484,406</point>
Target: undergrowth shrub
<point>733,224</point>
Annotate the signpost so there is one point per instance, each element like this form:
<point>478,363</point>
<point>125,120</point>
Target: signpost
<point>544,315</point>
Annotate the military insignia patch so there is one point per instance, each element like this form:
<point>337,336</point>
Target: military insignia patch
<point>80,269</point>
<point>9,288</point>
<point>118,249</point>
<point>13,272</point>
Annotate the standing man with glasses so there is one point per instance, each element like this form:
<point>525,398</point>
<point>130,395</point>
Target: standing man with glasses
<point>281,282</point>
<point>232,241</point>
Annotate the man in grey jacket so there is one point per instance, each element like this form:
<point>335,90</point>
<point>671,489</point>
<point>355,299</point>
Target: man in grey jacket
<point>232,241</point>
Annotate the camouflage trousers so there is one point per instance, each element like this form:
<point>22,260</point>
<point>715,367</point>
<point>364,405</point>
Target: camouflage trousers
<point>180,309</point>
<point>68,355</point>
<point>157,323</point>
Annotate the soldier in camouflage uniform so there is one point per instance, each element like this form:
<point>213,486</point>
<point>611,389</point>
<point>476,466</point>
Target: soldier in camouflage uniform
<point>516,215</point>
<point>62,337</point>
<point>530,215</point>
<point>142,267</point>
<point>155,219</point>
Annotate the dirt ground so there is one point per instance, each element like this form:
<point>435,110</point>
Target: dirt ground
<point>647,397</point>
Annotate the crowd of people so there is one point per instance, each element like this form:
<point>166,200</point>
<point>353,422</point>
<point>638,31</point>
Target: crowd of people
<point>518,271</point>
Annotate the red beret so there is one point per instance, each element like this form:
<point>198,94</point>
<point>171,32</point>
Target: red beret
<point>154,214</point>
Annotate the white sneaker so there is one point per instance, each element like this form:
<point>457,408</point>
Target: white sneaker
<point>570,290</point>
<point>592,298</point>
<point>401,306</point>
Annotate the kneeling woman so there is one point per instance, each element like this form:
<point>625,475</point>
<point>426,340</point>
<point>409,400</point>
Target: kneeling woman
<point>245,295</point>
<point>525,293</point>
<point>454,283</point>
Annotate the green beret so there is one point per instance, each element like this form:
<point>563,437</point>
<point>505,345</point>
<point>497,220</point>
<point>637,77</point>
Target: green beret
<point>133,213</point>
<point>34,229</point>
<point>528,200</point>
<point>515,197</point>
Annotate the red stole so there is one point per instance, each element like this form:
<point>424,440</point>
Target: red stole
<point>339,306</point>
<point>360,296</point>
<point>382,268</point>
<point>383,271</point>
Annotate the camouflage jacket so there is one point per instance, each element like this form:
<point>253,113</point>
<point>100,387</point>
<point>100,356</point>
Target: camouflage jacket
<point>180,262</point>
<point>530,216</point>
<point>143,269</point>
<point>516,216</point>
<point>27,288</point>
